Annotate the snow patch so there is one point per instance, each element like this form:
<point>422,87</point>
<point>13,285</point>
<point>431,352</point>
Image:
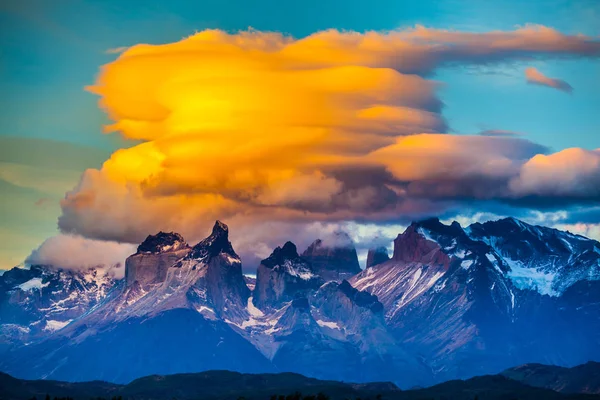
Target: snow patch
<point>300,272</point>
<point>53,326</point>
<point>35,283</point>
<point>426,234</point>
<point>460,254</point>
<point>569,245</point>
<point>332,325</point>
<point>531,278</point>
<point>231,259</point>
<point>252,310</point>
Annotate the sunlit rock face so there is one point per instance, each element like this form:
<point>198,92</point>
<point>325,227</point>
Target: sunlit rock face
<point>334,259</point>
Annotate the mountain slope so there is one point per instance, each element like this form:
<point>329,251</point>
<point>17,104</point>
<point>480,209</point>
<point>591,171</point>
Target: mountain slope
<point>37,301</point>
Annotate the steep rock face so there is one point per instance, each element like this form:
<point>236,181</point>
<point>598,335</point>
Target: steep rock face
<point>418,263</point>
<point>40,300</point>
<point>282,277</point>
<point>410,247</point>
<point>377,256</point>
<point>154,257</point>
<point>335,259</point>
<point>224,282</point>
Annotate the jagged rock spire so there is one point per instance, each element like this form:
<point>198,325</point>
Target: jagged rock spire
<point>218,242</point>
<point>281,254</point>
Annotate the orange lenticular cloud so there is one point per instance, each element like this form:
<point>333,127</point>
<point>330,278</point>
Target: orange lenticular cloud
<point>260,126</point>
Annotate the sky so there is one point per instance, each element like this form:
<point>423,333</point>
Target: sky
<point>290,121</point>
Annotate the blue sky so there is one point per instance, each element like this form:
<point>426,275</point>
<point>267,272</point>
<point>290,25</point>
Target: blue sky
<point>52,50</point>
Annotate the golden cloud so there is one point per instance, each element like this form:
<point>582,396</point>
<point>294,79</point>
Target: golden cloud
<point>259,126</point>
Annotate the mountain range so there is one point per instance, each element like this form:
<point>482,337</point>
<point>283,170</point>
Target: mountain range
<point>451,302</point>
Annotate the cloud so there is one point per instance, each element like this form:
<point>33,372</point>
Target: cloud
<point>535,77</point>
<point>588,230</point>
<point>78,253</point>
<point>570,173</point>
<point>260,129</point>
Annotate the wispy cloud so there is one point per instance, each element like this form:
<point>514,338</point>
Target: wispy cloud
<point>535,77</point>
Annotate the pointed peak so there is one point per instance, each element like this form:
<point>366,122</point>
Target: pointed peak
<point>162,242</point>
<point>218,242</point>
<point>455,224</point>
<point>289,250</point>
<point>220,228</point>
<point>281,254</point>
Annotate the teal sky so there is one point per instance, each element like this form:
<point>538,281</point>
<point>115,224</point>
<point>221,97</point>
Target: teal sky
<point>51,128</point>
